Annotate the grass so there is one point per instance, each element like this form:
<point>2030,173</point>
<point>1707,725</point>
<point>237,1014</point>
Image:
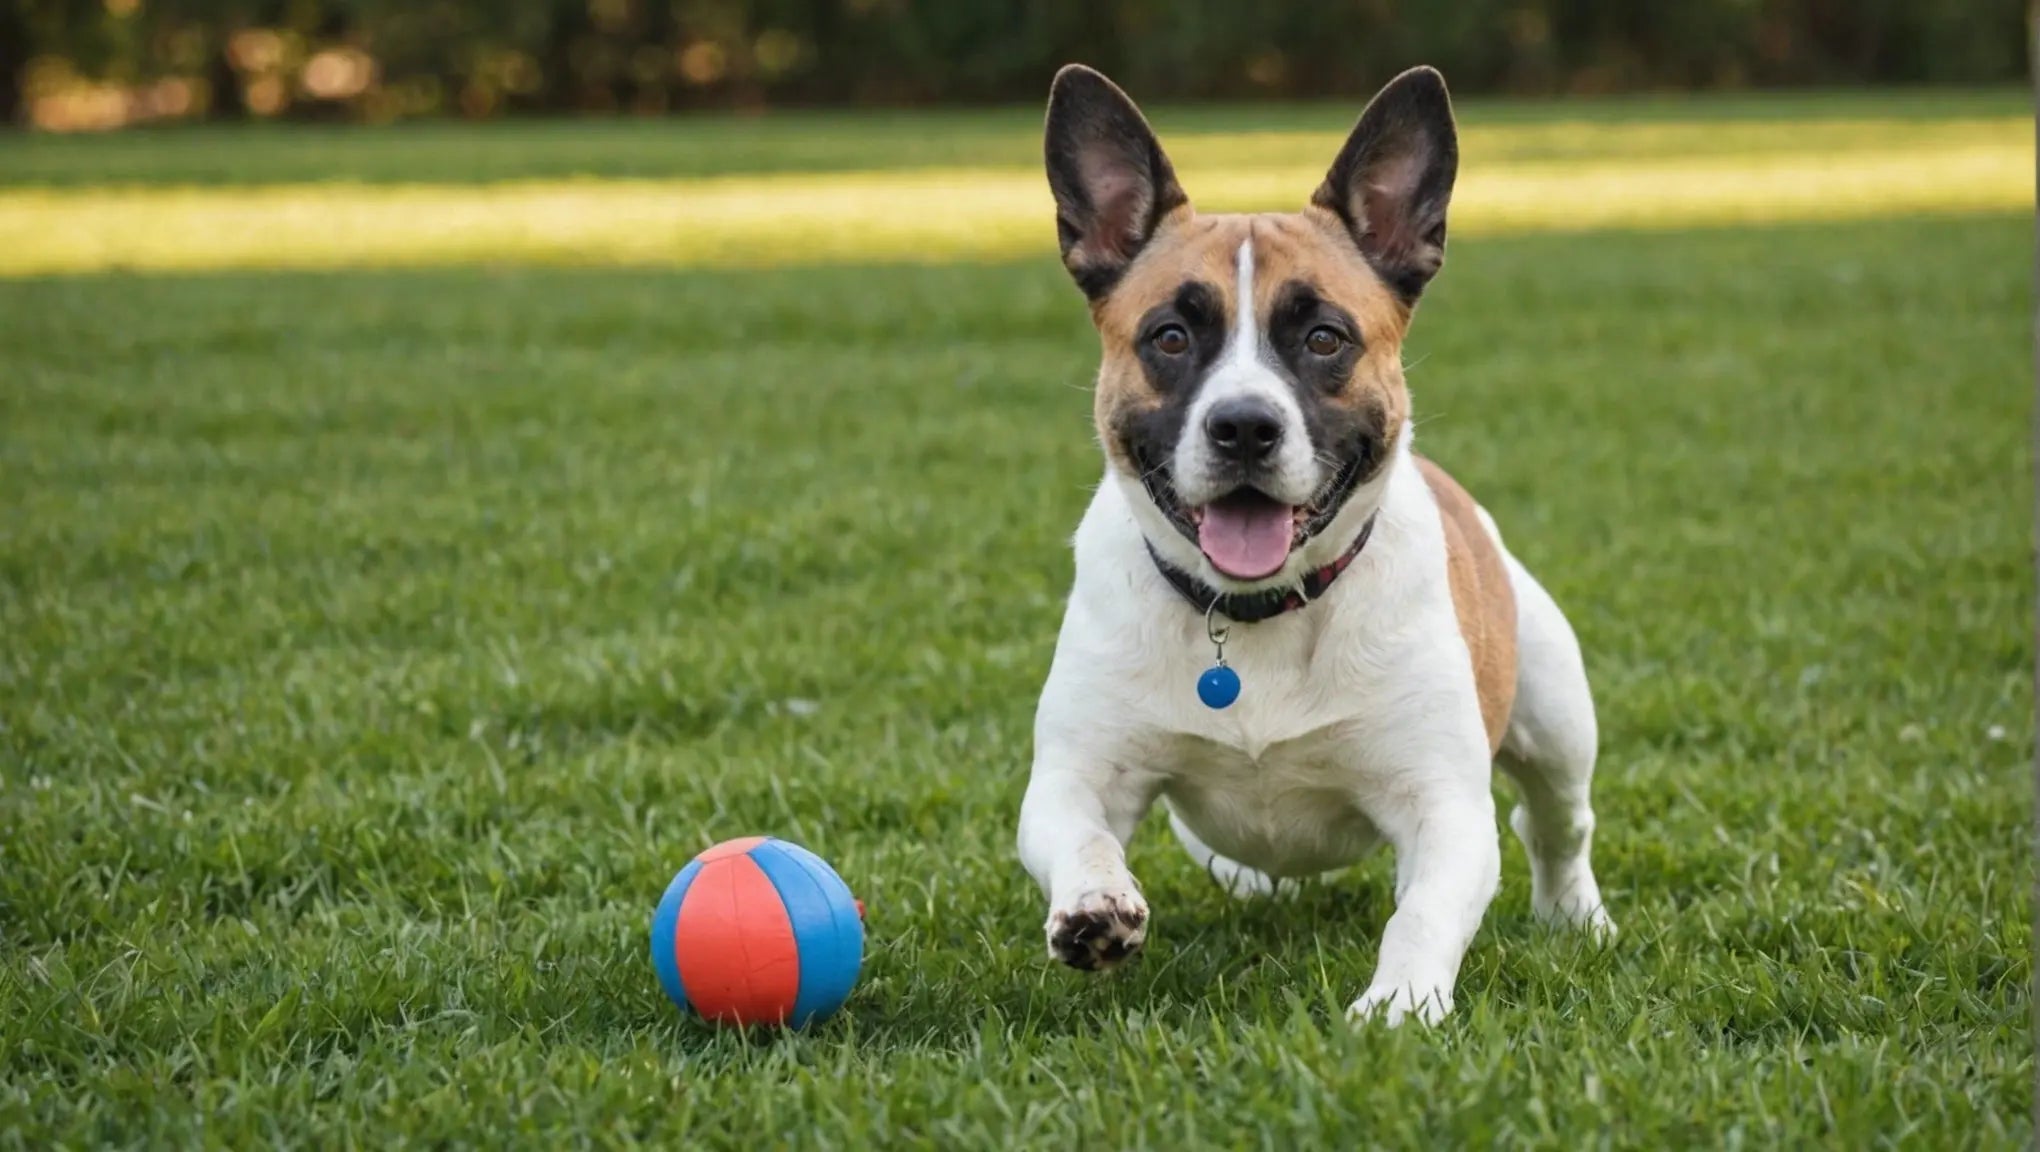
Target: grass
<point>380,640</point>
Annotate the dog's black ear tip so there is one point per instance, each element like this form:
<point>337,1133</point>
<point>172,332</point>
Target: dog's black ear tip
<point>1083,84</point>
<point>1420,85</point>
<point>1073,77</point>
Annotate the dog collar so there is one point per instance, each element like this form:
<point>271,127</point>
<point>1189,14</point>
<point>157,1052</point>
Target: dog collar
<point>1254,607</point>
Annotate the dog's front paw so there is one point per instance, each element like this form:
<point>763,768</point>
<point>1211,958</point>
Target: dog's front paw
<point>1098,930</point>
<point>1394,1005</point>
<point>1594,921</point>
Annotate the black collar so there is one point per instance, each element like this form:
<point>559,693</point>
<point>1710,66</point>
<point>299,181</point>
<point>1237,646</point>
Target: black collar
<point>1254,607</point>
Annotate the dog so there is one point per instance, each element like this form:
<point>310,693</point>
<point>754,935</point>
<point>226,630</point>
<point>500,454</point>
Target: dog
<point>1265,528</point>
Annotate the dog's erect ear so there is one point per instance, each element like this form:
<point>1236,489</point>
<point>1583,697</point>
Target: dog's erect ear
<point>1111,182</point>
<point>1393,180</point>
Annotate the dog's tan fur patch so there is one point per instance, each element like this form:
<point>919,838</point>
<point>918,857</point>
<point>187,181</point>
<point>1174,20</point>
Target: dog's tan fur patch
<point>1481,597</point>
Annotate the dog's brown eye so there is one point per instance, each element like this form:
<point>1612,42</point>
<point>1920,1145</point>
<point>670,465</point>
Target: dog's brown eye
<point>1172,341</point>
<point>1324,342</point>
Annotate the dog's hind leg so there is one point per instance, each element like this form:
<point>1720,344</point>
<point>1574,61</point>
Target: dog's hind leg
<point>1236,878</point>
<point>1549,752</point>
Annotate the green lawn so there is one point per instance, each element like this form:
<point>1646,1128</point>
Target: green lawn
<point>379,641</point>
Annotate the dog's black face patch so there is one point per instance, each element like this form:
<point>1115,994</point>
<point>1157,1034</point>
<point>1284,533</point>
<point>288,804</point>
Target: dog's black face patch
<point>1147,436</point>
<point>1317,345</point>
<point>1198,312</point>
<point>1297,324</point>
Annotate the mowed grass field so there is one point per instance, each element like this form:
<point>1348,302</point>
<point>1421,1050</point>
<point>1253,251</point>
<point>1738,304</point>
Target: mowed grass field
<point>388,616</point>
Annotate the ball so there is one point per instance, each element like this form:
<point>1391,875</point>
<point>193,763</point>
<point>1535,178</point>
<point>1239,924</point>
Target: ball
<point>758,931</point>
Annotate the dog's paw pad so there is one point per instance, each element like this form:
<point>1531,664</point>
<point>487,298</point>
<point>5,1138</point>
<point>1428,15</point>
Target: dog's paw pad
<point>1102,931</point>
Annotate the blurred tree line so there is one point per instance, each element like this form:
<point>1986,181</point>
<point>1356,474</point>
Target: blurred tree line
<point>97,63</point>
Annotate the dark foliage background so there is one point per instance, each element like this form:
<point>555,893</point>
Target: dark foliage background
<point>119,61</point>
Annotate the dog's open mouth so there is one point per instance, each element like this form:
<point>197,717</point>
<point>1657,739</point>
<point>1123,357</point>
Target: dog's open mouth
<point>1247,534</point>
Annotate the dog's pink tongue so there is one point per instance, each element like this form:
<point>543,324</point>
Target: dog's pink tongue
<point>1245,537</point>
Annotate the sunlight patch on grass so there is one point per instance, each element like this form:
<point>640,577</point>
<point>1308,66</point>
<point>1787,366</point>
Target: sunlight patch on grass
<point>929,215</point>
<point>1203,136</point>
<point>1572,141</point>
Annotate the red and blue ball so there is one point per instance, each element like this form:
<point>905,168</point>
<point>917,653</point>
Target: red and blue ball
<point>758,931</point>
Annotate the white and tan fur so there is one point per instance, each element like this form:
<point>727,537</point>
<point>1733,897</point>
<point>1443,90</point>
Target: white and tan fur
<point>1361,722</point>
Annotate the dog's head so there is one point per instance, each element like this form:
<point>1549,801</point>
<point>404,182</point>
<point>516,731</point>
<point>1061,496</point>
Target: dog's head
<point>1252,388</point>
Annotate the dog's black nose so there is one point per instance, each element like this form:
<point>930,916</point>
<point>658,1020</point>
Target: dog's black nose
<point>1244,430</point>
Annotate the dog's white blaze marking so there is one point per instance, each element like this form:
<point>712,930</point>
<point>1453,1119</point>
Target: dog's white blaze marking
<point>1246,337</point>
<point>1240,370</point>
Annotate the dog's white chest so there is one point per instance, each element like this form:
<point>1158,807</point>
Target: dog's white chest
<point>1291,809</point>
<point>1335,701</point>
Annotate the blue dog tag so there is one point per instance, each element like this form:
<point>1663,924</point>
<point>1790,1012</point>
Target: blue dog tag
<point>1218,687</point>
